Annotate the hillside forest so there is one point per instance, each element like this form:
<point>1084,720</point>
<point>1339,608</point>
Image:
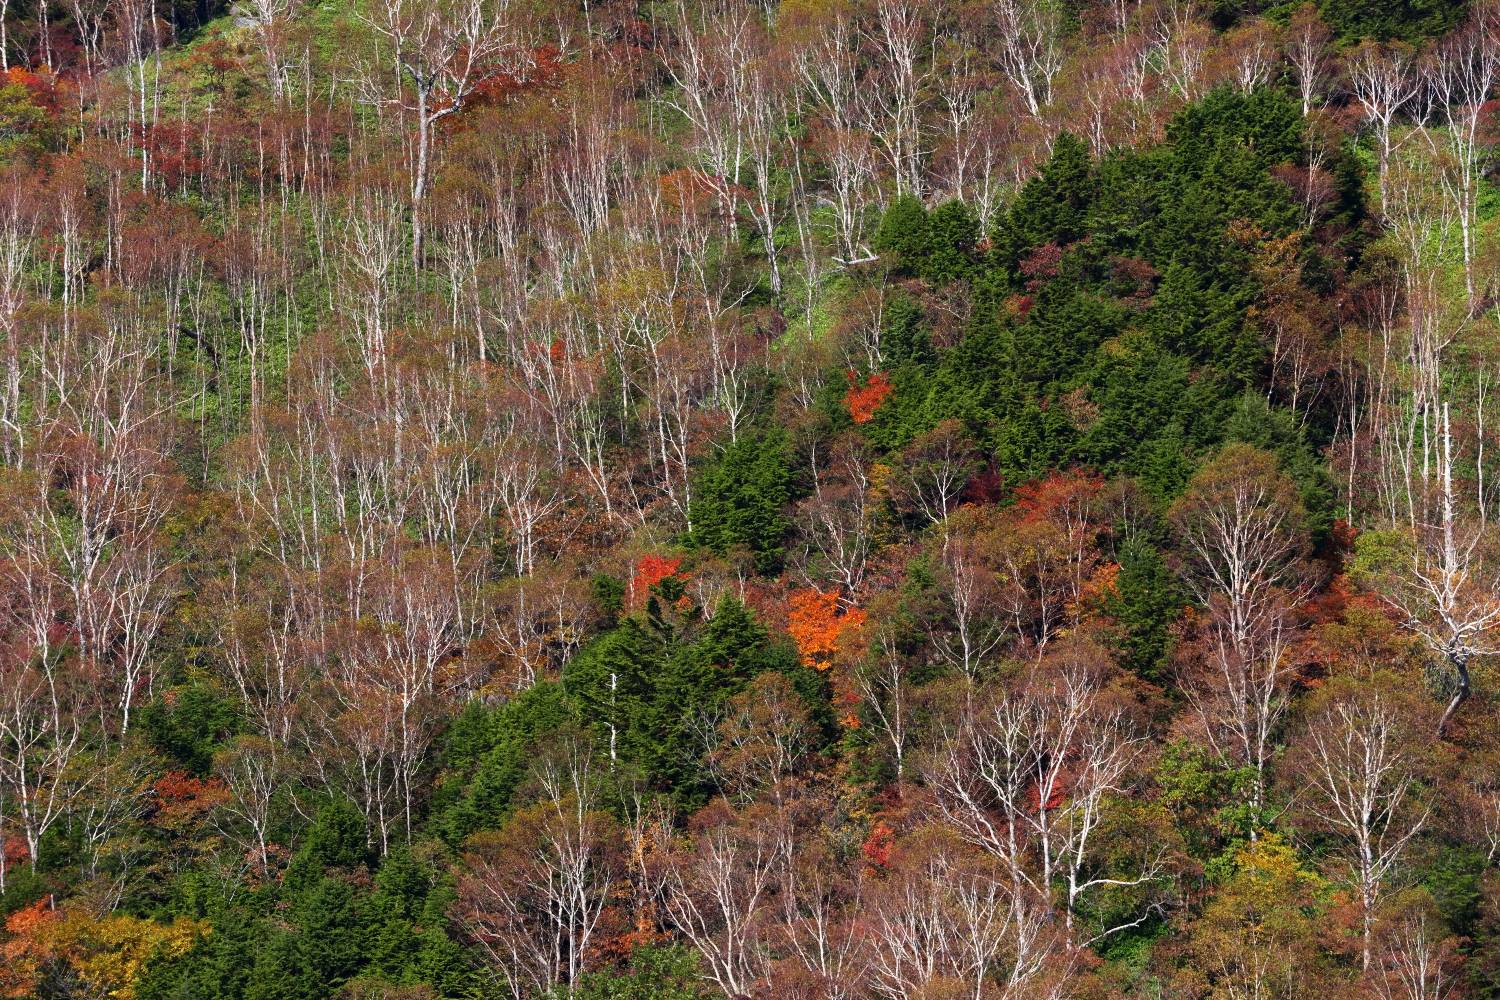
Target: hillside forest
<point>691,499</point>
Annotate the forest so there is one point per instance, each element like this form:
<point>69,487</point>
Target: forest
<point>750,499</point>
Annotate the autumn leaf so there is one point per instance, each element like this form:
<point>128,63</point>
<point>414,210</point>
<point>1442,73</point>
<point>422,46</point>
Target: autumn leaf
<point>816,622</point>
<point>863,400</point>
<point>651,570</point>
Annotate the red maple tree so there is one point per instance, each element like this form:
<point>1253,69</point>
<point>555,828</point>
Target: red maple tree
<point>863,400</point>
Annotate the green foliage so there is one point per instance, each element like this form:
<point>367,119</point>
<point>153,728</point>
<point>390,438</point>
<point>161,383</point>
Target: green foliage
<point>27,130</point>
<point>1164,462</point>
<point>1146,603</point>
<point>740,499</point>
<point>486,755</point>
<point>222,964</point>
<point>654,973</point>
<point>1454,878</point>
<point>325,928</point>
<point>1200,316</point>
<point>645,689</point>
<point>1116,336</point>
<point>24,885</point>
<point>1053,205</point>
<point>331,934</point>
<point>1260,924</point>
<point>188,724</point>
<point>608,593</point>
<point>905,235</point>
<point>336,839</point>
<point>1408,20</point>
<point>954,234</point>
<point>938,247</point>
<point>732,649</point>
<point>1206,802</point>
<point>904,337</point>
<point>1110,322</point>
<point>1484,954</point>
<point>1379,556</point>
<point>609,686</point>
<point>1277,431</point>
<point>409,941</point>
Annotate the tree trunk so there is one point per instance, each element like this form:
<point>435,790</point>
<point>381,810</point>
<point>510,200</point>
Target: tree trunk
<point>1460,661</point>
<point>419,178</point>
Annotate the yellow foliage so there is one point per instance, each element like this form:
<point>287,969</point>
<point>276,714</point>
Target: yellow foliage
<point>1259,931</point>
<point>814,11</point>
<point>130,943</point>
<point>108,953</point>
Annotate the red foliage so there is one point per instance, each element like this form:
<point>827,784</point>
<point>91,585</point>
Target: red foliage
<point>173,152</point>
<point>1136,275</point>
<point>215,59</point>
<point>16,850</point>
<point>863,400</point>
<point>546,69</point>
<point>45,90</point>
<point>878,845</point>
<point>1489,122</point>
<point>1019,305</point>
<point>59,632</point>
<point>1058,796</point>
<point>1041,265</point>
<point>649,571</point>
<point>846,701</point>
<point>1329,604</point>
<point>984,487</point>
<point>1060,493</point>
<point>687,190</point>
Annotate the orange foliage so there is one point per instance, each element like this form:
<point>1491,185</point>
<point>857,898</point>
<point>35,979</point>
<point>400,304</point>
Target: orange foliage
<point>106,953</point>
<point>24,951</point>
<point>1098,588</point>
<point>816,624</point>
<point>42,87</point>
<point>690,191</point>
<point>1344,534</point>
<point>863,400</point>
<point>181,797</point>
<point>649,571</point>
<point>846,701</point>
<point>24,920</point>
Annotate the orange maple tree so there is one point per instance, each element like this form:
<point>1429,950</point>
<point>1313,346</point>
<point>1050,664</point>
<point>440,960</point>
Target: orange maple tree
<point>106,954</point>
<point>22,953</point>
<point>816,621</point>
<point>649,571</point>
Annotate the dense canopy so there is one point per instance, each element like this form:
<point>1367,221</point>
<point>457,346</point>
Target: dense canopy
<point>688,499</point>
